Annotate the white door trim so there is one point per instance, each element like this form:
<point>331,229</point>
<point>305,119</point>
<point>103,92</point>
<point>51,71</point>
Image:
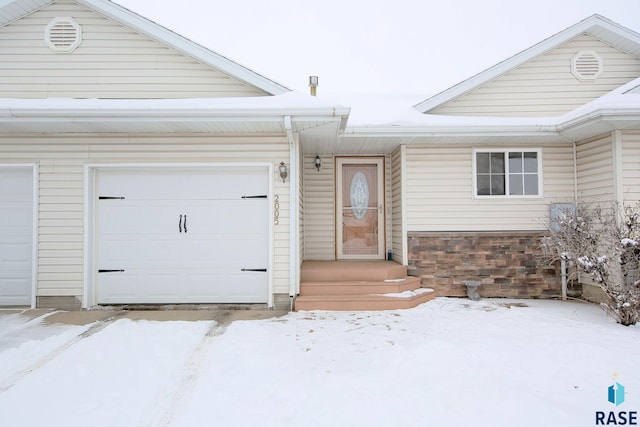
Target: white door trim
<point>34,224</point>
<point>380,162</point>
<point>90,212</point>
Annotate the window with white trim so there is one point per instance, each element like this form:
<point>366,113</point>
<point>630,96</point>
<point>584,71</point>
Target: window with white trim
<point>507,173</point>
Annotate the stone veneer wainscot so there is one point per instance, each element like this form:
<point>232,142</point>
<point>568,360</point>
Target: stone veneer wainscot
<point>508,264</point>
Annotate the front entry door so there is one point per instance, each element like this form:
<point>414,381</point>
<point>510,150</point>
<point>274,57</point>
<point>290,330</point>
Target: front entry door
<point>360,208</point>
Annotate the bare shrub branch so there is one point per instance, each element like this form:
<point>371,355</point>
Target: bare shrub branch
<point>605,245</point>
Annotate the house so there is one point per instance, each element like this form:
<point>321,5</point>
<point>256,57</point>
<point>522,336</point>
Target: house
<point>138,167</point>
<point>477,174</point>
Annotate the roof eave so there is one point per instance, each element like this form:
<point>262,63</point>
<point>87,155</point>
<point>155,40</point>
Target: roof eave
<point>451,131</point>
<point>102,119</point>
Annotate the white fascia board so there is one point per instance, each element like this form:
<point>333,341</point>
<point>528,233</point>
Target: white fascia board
<point>74,119</point>
<point>184,45</point>
<point>177,115</point>
<point>589,24</point>
<point>443,131</point>
<point>610,118</point>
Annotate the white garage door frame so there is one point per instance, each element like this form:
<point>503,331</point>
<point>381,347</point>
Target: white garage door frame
<point>34,224</point>
<point>90,215</point>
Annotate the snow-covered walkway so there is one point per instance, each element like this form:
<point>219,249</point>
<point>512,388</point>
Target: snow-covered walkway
<point>450,362</point>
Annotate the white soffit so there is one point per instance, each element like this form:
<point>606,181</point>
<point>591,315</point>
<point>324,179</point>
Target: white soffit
<point>11,10</point>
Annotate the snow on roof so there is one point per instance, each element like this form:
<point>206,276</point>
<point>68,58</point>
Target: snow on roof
<point>290,101</point>
<point>365,112</point>
<point>373,111</point>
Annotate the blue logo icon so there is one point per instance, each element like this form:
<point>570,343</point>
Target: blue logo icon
<point>616,394</point>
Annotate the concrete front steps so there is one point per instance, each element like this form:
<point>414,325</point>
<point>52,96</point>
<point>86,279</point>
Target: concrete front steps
<point>358,286</point>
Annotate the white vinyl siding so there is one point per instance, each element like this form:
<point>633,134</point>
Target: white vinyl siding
<point>631,167</point>
<point>595,171</point>
<point>440,193</point>
<point>61,184</point>
<point>398,232</point>
<point>319,209</point>
<point>111,62</point>
<point>545,85</point>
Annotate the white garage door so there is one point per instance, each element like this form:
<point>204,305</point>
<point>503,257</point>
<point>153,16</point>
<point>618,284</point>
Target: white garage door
<point>176,236</point>
<point>16,235</point>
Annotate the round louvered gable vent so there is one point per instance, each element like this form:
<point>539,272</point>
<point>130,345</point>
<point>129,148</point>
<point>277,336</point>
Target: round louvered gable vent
<point>63,35</point>
<point>586,65</point>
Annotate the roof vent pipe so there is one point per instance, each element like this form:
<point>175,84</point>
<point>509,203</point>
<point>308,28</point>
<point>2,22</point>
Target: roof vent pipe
<point>313,84</point>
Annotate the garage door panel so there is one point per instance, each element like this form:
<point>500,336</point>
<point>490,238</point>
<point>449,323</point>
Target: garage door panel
<point>126,217</point>
<point>131,286</point>
<point>226,184</point>
<point>167,261</point>
<point>240,252</point>
<point>13,289</point>
<point>140,253</point>
<point>16,235</point>
<point>220,287</point>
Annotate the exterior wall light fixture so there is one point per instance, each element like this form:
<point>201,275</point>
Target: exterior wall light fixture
<point>317,163</point>
<point>283,171</point>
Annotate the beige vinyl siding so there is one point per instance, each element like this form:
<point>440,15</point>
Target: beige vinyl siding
<point>111,62</point>
<point>398,232</point>
<point>545,85</point>
<point>595,171</point>
<point>301,194</point>
<point>319,209</point>
<point>388,205</point>
<point>62,160</point>
<point>631,167</point>
<point>440,194</point>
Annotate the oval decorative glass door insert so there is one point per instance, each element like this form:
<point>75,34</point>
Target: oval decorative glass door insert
<point>359,195</point>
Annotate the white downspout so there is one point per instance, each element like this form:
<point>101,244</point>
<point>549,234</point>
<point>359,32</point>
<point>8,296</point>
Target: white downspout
<point>618,187</point>
<point>563,262</point>
<point>294,176</point>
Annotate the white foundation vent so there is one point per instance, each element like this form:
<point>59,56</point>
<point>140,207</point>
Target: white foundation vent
<point>63,34</point>
<point>586,65</point>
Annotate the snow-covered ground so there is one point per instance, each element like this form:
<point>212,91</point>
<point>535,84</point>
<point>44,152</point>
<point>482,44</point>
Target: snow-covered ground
<point>450,362</point>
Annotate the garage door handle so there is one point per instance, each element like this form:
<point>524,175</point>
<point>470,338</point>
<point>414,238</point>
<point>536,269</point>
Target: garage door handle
<point>180,224</point>
<point>261,270</point>
<point>185,223</point>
